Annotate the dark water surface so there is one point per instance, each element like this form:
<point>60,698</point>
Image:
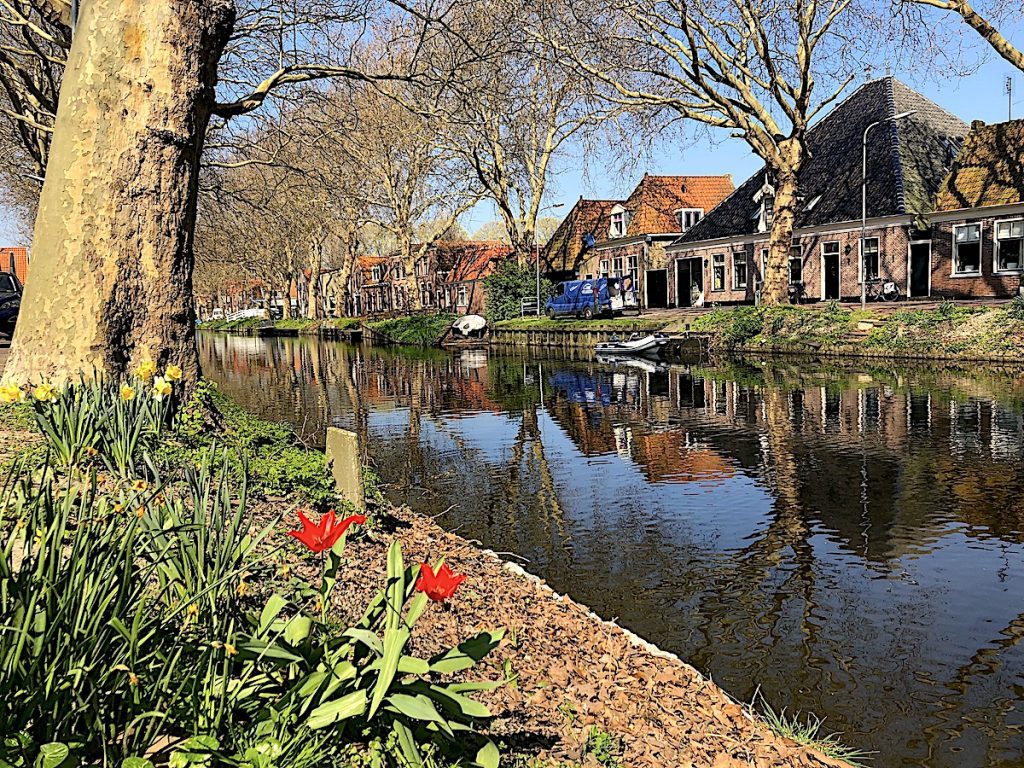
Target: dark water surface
<point>850,539</point>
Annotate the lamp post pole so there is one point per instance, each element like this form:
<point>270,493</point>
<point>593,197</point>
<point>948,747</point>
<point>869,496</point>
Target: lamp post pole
<point>863,271</point>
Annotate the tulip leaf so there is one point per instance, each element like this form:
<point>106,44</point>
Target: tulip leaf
<point>275,604</point>
<point>419,707</point>
<point>395,587</point>
<point>467,653</point>
<point>488,755</point>
<point>407,743</point>
<point>298,629</point>
<point>350,705</point>
<point>394,643</point>
<point>367,638</point>
<point>407,665</point>
<point>250,649</point>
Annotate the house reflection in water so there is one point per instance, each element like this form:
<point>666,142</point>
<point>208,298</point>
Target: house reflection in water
<point>851,540</point>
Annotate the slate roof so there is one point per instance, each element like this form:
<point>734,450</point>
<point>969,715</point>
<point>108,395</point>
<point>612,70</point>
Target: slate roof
<point>907,162</point>
<point>989,169</point>
<point>654,202</point>
<point>564,250</point>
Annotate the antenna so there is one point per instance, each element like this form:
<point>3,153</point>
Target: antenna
<point>1009,97</point>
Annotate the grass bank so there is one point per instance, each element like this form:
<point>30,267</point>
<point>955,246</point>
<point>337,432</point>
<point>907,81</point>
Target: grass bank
<point>301,324</point>
<point>261,652</point>
<point>948,331</point>
<point>417,330</point>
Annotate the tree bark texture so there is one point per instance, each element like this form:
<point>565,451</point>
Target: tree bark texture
<point>780,237</point>
<point>111,277</point>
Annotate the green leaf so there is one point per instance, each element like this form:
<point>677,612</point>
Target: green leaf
<point>407,743</point>
<point>419,707</point>
<point>467,653</point>
<point>136,762</point>
<point>349,705</point>
<point>488,755</point>
<point>52,755</point>
<point>252,649</point>
<point>395,588</point>
<point>395,639</point>
<point>275,604</point>
<point>367,638</point>
<point>298,629</point>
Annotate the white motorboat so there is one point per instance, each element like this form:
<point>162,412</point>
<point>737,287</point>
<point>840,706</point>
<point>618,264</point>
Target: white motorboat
<point>636,344</point>
<point>628,361</point>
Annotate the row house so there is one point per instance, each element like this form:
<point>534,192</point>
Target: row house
<point>945,209</point>
<point>448,277</point>
<point>629,238</point>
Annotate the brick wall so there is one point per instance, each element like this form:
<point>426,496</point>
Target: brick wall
<point>987,284</point>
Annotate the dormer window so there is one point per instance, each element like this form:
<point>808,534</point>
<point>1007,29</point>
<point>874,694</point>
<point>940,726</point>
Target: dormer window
<point>619,222</point>
<point>687,217</point>
<point>766,212</point>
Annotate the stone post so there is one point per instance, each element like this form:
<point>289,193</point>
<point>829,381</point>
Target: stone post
<point>346,463</point>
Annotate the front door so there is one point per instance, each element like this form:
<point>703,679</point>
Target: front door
<point>920,268</point>
<point>689,282</point>
<point>656,281</point>
<point>831,276</point>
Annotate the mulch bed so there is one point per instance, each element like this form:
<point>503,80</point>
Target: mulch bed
<point>574,671</point>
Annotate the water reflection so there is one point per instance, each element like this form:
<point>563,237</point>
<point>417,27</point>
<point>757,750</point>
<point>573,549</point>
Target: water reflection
<point>851,540</point>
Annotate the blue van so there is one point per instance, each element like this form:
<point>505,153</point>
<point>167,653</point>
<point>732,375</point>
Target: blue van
<point>589,298</point>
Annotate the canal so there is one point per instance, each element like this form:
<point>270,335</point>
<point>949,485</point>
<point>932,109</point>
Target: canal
<point>849,539</point>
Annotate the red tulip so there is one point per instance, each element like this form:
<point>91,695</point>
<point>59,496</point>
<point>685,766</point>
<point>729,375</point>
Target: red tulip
<point>322,536</point>
<point>441,585</point>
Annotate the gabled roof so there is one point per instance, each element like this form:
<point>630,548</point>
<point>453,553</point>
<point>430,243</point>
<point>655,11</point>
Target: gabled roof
<point>989,169</point>
<point>907,162</point>
<point>654,202</point>
<point>470,259</point>
<point>564,250</point>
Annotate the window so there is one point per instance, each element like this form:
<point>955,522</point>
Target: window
<point>400,271</point>
<point>618,228</point>
<point>764,263</point>
<point>718,272</point>
<point>604,268</point>
<point>463,296</point>
<point>632,271</point>
<point>617,266</point>
<point>796,265</point>
<point>1009,238</point>
<point>739,270</point>
<point>7,284</point>
<point>967,249</point>
<point>378,274</point>
<point>869,266</point>
<point>687,217</point>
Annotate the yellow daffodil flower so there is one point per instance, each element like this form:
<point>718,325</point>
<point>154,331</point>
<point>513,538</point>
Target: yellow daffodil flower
<point>11,393</point>
<point>173,373</point>
<point>161,388</point>
<point>146,370</point>
<point>127,393</point>
<point>45,392</point>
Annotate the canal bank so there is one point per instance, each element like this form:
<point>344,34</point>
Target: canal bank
<point>578,691</point>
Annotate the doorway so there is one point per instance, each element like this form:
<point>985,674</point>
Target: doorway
<point>689,282</point>
<point>656,284</point>
<point>919,282</point>
<point>830,276</point>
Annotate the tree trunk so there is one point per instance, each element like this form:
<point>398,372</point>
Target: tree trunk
<point>111,277</point>
<point>286,303</point>
<point>412,300</point>
<point>780,238</point>
<point>316,263</point>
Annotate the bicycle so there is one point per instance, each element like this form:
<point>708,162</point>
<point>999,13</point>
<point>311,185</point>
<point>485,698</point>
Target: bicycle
<point>797,293</point>
<point>877,289</point>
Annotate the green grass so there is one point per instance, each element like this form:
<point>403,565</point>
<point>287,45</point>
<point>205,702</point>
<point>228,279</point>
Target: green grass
<point>597,324</point>
<point>807,731</point>
<point>231,325</point>
<point>420,330</point>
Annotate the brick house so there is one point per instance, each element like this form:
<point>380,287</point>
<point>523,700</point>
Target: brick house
<point>451,274</point>
<point>628,238</point>
<point>15,259</point>
<point>721,259</point>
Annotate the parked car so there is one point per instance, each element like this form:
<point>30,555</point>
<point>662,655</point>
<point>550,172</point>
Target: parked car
<point>589,298</point>
<point>10,302</point>
<point>217,314</point>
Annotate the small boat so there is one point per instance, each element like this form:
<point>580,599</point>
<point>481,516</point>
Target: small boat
<point>636,344</point>
<point>628,361</point>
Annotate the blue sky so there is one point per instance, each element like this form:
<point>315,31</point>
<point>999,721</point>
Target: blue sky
<point>978,96</point>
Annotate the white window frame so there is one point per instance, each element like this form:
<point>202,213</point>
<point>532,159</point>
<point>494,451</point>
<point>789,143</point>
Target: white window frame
<point>715,265</point>
<point>802,258</point>
<point>462,299</point>
<point>619,223</point>
<point>860,261</point>
<point>605,267</point>
<point>995,249</point>
<point>683,213</point>
<point>956,247</point>
<point>746,269</point>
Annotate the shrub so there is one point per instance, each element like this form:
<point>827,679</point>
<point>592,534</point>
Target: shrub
<point>421,330</point>
<point>1015,308</point>
<point>508,285</point>
<point>745,323</point>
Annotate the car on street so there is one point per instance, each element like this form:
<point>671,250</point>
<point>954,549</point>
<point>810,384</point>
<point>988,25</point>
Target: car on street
<point>10,302</point>
<point>589,298</point>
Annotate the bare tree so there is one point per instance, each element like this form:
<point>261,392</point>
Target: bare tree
<point>985,23</point>
<point>759,69</point>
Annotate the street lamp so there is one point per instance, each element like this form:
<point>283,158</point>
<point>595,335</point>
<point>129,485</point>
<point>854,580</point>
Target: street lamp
<point>536,249</point>
<point>864,202</point>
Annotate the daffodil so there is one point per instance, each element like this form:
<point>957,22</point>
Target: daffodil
<point>45,392</point>
<point>146,370</point>
<point>11,393</point>
<point>173,373</point>
<point>161,388</point>
<point>127,393</point>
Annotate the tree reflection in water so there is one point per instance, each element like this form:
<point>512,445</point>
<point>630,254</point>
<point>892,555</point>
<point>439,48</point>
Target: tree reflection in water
<point>849,538</point>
